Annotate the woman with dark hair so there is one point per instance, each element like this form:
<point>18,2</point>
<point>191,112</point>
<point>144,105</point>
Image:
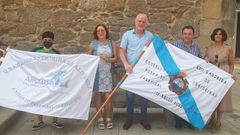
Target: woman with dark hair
<point>221,55</point>
<point>106,49</point>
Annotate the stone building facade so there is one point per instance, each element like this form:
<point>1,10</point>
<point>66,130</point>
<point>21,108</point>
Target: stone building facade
<point>73,21</point>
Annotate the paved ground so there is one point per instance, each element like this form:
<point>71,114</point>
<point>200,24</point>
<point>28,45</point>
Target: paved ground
<point>230,124</point>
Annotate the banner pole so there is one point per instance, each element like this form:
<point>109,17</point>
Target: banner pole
<point>91,122</point>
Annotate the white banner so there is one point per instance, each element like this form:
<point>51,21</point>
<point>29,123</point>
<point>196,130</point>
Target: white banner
<point>179,81</point>
<point>48,84</point>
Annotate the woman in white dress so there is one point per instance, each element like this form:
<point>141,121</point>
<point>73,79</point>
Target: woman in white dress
<point>106,49</point>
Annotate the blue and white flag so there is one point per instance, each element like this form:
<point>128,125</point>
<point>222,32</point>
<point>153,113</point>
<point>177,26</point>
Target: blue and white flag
<point>180,82</point>
<point>48,84</point>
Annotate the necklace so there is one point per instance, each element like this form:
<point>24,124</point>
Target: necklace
<point>218,49</point>
<point>103,42</point>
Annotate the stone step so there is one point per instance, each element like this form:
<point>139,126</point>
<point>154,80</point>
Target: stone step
<point>7,117</point>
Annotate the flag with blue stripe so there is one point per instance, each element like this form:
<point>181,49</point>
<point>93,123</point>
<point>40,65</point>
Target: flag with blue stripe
<point>178,81</point>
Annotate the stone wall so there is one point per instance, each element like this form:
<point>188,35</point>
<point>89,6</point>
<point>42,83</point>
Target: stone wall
<point>217,13</point>
<point>73,21</point>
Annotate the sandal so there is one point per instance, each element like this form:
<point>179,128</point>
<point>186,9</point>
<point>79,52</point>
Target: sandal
<point>57,125</point>
<point>109,123</point>
<point>211,124</point>
<point>216,128</point>
<point>101,123</point>
<point>38,126</point>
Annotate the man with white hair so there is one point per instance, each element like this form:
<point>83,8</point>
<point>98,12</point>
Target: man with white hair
<point>132,43</point>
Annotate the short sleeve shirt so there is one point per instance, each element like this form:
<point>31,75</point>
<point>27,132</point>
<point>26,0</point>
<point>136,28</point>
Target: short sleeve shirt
<point>43,51</point>
<point>134,44</point>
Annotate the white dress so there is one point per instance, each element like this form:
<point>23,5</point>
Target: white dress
<point>103,80</point>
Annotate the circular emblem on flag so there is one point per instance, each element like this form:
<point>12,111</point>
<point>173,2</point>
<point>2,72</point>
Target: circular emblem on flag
<point>178,83</point>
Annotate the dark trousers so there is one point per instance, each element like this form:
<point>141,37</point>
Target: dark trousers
<point>181,123</point>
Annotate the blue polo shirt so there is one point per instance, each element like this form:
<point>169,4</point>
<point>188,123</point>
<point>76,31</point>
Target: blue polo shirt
<point>134,44</point>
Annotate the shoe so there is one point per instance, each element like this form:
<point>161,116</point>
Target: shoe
<point>145,124</point>
<point>101,124</point>
<point>109,123</point>
<point>57,125</point>
<point>178,126</point>
<point>179,122</point>
<point>189,126</point>
<point>38,126</point>
<point>127,124</point>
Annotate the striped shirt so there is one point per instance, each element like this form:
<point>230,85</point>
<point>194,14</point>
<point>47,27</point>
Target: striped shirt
<point>193,49</point>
